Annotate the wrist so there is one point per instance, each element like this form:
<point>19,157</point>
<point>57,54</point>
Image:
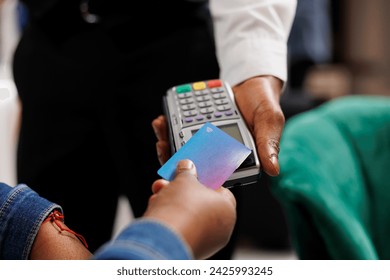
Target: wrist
<point>56,241</point>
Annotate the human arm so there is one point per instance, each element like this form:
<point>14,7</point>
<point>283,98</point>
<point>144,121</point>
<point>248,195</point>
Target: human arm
<point>251,42</point>
<point>55,241</point>
<point>23,233</point>
<point>251,37</point>
<point>184,220</point>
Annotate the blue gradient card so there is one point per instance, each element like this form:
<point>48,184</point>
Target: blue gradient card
<point>215,154</point>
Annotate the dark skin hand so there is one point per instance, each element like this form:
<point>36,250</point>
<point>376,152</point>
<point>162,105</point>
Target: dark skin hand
<point>258,100</point>
<point>203,217</point>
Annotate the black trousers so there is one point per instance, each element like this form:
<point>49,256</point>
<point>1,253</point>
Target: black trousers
<point>89,95</point>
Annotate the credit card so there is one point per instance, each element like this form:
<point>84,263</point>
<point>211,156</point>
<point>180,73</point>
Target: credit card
<point>215,154</point>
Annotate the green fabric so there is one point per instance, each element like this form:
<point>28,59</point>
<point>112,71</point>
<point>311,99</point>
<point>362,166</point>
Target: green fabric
<point>334,180</point>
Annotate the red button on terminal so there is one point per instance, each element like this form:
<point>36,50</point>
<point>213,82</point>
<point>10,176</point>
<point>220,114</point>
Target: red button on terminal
<point>214,83</point>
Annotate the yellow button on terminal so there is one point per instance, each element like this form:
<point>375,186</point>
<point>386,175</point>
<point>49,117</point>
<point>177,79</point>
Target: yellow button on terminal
<point>199,85</point>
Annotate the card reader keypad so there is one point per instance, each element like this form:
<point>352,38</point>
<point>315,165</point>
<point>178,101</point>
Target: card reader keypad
<point>202,101</point>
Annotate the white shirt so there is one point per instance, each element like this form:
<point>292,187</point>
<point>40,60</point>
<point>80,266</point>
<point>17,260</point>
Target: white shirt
<point>251,37</point>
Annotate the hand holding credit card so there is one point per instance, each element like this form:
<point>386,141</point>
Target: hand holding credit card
<point>215,154</point>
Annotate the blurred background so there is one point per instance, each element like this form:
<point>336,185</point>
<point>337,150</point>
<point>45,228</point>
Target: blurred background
<point>336,48</point>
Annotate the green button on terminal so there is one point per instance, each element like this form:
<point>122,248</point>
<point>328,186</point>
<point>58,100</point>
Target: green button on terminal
<point>183,88</point>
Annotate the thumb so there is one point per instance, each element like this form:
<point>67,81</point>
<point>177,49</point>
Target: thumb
<point>186,166</point>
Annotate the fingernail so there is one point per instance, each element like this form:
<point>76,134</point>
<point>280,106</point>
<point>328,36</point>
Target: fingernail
<point>275,163</point>
<point>184,165</point>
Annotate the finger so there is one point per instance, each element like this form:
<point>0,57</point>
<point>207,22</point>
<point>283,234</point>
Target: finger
<point>152,198</point>
<point>186,166</point>
<point>267,137</point>
<point>163,151</point>
<point>159,126</point>
<point>228,195</point>
<point>164,128</point>
<point>158,185</point>
<point>156,125</point>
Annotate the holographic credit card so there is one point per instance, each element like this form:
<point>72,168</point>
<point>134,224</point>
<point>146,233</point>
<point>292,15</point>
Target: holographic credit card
<point>215,154</point>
